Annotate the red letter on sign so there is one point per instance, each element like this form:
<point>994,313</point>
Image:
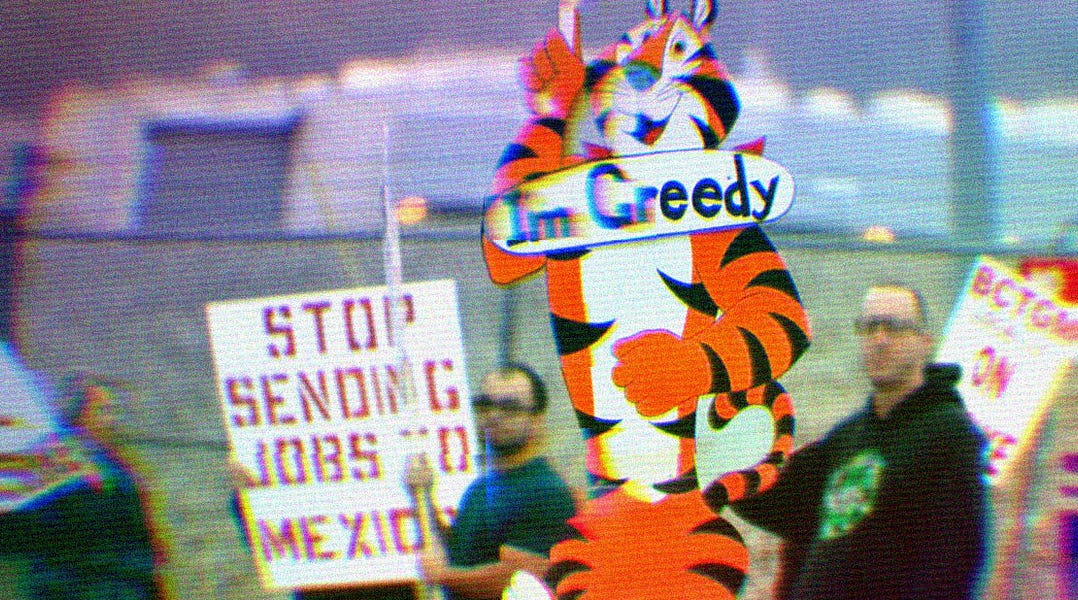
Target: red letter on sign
<point>312,538</point>
<point>998,298</point>
<point>982,281</point>
<point>309,394</point>
<point>235,398</point>
<point>278,541</point>
<point>317,309</point>
<point>451,394</point>
<point>1043,314</point>
<point>399,517</point>
<point>357,453</point>
<point>350,328</point>
<point>358,528</point>
<point>275,329</point>
<point>992,371</point>
<point>274,400</point>
<point>324,459</point>
<point>356,374</point>
<point>293,446</point>
<point>1067,327</point>
<point>444,434</point>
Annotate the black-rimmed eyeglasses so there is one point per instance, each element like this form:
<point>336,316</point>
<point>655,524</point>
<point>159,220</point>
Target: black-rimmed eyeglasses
<point>506,404</point>
<point>865,326</point>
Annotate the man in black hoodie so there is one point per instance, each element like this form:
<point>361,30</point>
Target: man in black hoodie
<point>892,502</point>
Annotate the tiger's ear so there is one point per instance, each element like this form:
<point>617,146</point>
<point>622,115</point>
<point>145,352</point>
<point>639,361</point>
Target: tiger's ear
<point>703,13</point>
<point>569,24</point>
<point>656,8</point>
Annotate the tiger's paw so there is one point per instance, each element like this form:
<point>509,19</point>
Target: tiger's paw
<point>660,371</point>
<point>525,586</point>
<point>553,76</point>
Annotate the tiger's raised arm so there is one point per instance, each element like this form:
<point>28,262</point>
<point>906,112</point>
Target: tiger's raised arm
<point>553,77</point>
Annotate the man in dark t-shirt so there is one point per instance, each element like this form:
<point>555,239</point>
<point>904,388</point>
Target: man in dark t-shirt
<point>511,516</point>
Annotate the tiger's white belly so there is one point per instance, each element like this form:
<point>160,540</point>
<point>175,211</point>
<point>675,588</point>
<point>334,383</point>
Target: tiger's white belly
<point>622,283</point>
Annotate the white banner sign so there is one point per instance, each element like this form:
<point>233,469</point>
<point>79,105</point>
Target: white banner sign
<point>638,197</point>
<point>1014,343</point>
<point>311,389</point>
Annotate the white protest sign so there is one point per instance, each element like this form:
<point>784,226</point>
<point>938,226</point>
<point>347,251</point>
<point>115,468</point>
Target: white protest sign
<point>310,386</point>
<point>1014,342</point>
<point>629,198</point>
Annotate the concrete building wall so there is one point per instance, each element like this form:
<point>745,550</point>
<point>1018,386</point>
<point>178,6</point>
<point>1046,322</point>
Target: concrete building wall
<point>333,176</point>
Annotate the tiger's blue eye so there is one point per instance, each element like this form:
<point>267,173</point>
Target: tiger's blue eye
<point>679,48</point>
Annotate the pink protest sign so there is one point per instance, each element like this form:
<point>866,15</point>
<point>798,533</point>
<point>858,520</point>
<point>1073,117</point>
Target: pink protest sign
<point>1014,341</point>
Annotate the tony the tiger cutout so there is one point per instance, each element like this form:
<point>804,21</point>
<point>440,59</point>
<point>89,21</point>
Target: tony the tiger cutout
<point>670,341</point>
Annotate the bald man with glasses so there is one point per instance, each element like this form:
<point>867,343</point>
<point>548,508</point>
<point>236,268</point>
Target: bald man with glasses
<point>510,517</point>
<point>891,503</point>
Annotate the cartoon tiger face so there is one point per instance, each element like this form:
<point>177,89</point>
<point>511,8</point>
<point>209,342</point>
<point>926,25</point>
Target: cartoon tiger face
<point>660,87</point>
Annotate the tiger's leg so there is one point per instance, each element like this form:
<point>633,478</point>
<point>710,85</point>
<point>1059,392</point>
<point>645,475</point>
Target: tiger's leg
<point>628,548</point>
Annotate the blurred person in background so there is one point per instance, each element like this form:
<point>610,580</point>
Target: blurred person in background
<point>510,517</point>
<point>91,539</point>
<point>892,502</point>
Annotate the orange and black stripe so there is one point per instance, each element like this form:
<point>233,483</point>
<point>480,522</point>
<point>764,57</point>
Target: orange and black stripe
<point>744,308</point>
<point>702,555</point>
<point>742,484</point>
